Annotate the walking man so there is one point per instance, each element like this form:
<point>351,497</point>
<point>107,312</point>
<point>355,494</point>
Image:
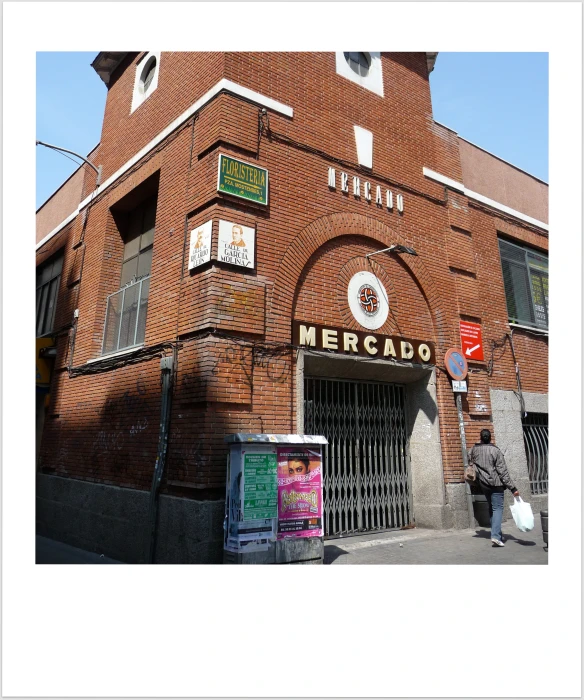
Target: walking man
<point>493,478</point>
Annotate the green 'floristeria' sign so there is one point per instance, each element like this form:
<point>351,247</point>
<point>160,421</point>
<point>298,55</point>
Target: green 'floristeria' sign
<point>242,180</point>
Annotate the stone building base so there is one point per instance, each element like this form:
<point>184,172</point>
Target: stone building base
<point>114,521</point>
<point>508,436</point>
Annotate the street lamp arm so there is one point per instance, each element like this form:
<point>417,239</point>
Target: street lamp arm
<point>65,150</point>
<point>395,248</point>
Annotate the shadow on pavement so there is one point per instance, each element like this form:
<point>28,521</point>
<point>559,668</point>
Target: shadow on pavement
<point>53,552</point>
<point>332,552</point>
<point>523,543</point>
<point>486,535</point>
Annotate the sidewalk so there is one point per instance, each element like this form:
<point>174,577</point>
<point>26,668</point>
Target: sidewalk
<point>472,546</point>
<point>53,552</point>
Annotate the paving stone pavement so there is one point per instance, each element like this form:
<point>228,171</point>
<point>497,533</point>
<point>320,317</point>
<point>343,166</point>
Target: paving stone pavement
<point>419,546</point>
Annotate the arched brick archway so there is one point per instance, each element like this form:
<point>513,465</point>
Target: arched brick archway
<point>319,232</point>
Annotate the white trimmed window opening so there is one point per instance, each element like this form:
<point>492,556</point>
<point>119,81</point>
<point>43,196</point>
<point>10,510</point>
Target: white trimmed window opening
<point>361,67</point>
<point>146,78</point>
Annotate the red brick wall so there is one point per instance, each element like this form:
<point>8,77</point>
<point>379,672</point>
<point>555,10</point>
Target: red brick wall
<point>494,178</point>
<point>236,372</point>
<point>66,199</point>
<point>183,79</point>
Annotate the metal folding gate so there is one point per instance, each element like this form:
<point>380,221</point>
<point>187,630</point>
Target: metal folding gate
<point>366,482</point>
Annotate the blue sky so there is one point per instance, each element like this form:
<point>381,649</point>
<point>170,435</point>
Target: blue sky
<point>499,101</point>
<point>70,102</point>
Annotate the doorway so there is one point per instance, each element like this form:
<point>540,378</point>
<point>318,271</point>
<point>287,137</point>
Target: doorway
<point>366,476</point>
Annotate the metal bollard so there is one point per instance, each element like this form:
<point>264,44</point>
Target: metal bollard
<point>544,525</point>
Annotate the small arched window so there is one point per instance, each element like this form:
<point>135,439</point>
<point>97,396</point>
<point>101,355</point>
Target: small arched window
<point>146,78</point>
<point>359,62</point>
<point>148,75</point>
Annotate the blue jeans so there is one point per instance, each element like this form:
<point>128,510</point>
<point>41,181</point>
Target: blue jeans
<point>495,499</point>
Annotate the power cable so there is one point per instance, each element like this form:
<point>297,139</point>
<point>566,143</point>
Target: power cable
<point>264,129</point>
<point>71,159</point>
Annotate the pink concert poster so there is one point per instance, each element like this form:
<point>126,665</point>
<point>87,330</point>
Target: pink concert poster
<point>299,492</point>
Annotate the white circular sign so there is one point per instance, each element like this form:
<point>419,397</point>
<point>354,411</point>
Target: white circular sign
<point>368,300</point>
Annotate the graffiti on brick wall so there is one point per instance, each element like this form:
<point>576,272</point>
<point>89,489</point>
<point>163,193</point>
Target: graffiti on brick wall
<point>274,361</point>
<point>139,426</point>
<point>186,451</point>
<point>117,408</point>
<point>191,380</point>
<point>108,441</point>
<point>124,421</point>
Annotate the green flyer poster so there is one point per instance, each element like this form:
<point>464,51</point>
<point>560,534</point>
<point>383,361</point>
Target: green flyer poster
<point>260,486</point>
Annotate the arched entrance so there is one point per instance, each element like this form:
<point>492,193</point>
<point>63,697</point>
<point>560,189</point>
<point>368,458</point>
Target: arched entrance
<point>379,415</point>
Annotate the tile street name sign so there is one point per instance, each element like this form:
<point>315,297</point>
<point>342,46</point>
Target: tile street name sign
<point>242,179</point>
<point>349,342</point>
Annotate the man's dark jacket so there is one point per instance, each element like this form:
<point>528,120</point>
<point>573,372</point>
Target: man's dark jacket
<point>490,465</point>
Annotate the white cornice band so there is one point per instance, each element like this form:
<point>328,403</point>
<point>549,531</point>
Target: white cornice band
<point>274,105</point>
<point>459,187</point>
<point>222,85</point>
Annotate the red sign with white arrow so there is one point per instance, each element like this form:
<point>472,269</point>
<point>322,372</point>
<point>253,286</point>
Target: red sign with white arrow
<point>471,341</point>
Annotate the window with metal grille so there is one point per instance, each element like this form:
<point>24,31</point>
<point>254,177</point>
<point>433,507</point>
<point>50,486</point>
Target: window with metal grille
<point>126,309</point>
<point>48,277</point>
<point>525,276</point>
<point>535,438</point>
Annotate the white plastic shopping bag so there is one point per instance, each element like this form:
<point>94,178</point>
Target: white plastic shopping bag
<point>522,514</point>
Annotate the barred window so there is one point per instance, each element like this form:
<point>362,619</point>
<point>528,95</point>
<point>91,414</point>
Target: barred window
<point>525,276</point>
<point>536,440</point>
<point>48,278</point>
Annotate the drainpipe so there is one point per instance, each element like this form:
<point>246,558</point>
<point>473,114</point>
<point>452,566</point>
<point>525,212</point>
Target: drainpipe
<point>517,375</point>
<point>464,458</point>
<point>166,367</point>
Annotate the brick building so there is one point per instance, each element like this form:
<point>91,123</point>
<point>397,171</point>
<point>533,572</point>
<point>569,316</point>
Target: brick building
<point>227,276</point>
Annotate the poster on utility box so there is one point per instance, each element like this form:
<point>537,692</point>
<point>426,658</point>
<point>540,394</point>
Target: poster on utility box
<point>299,492</point>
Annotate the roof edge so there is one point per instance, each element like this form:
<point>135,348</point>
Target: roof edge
<point>81,165</point>
<point>507,162</point>
<point>431,60</point>
<point>105,63</point>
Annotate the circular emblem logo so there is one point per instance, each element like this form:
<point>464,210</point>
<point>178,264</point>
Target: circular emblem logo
<point>369,299</point>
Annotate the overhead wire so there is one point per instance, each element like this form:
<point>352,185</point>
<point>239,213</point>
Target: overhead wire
<point>69,157</point>
<point>265,129</point>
